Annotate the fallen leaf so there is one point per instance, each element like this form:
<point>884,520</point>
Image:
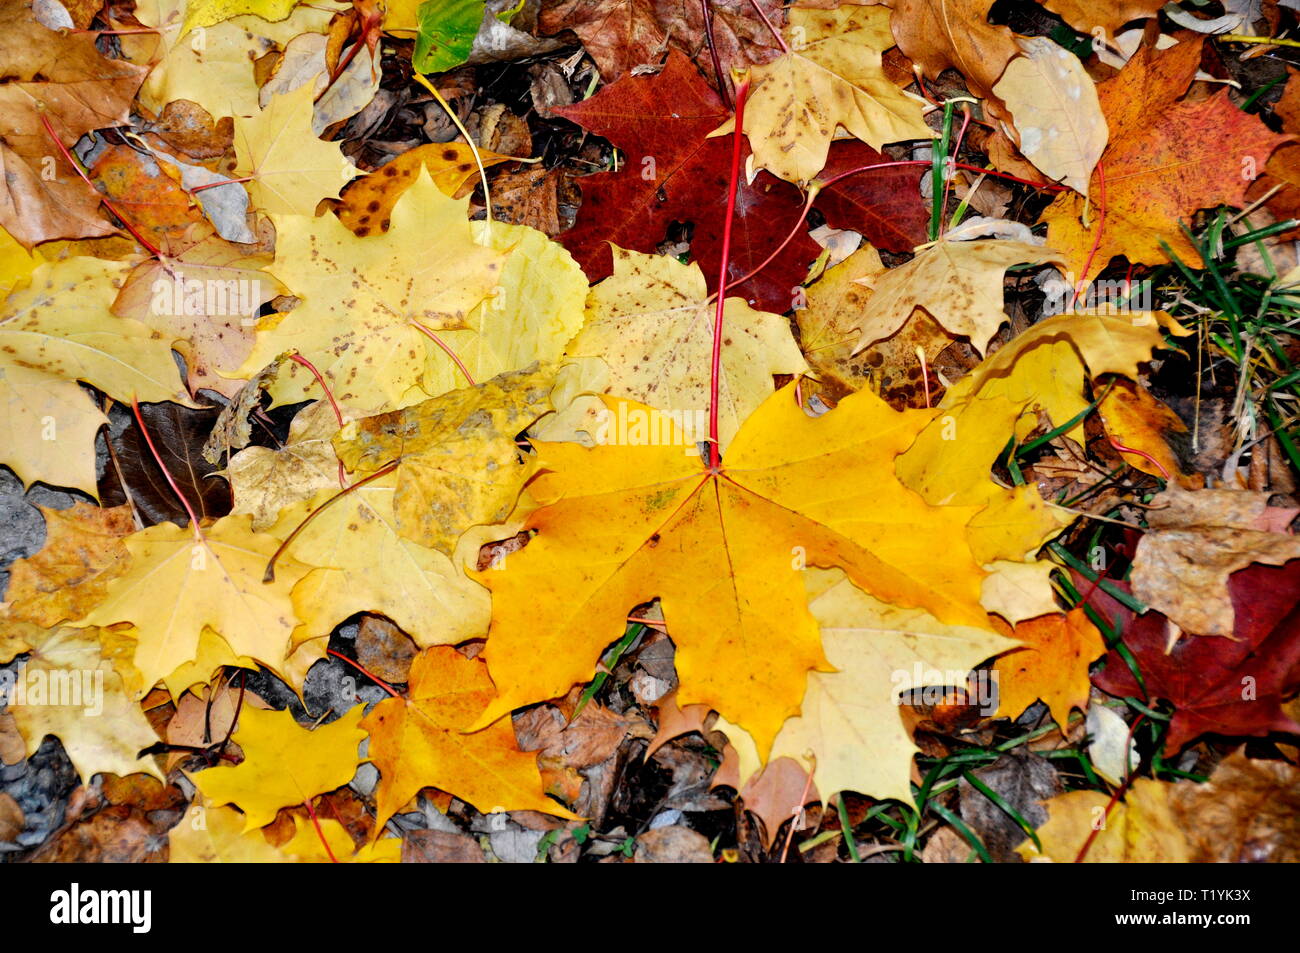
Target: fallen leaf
<point>958,283</point>
<point>672,172</point>
<point>954,34</point>
<point>1224,686</point>
<point>1051,667</point>
<point>834,79</point>
<point>362,298</point>
<point>1166,159</point>
<point>70,574</point>
<point>284,764</point>
<point>626,523</point>
<point>1140,829</point>
<point>176,584</point>
<point>264,481</point>
<point>459,464</point>
<point>420,741</point>
<point>1059,126</point>
<point>63,79</point>
<point>1197,540</point>
<point>1245,814</point>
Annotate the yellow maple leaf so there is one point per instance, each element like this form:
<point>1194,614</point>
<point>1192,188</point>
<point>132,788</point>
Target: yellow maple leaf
<point>213,834</point>
<point>460,466</point>
<point>832,77</point>
<point>68,689</point>
<point>1043,368</point>
<point>200,13</point>
<point>1141,829</point>
<point>284,764</point>
<point>177,584</point>
<point>264,481</point>
<point>653,328</point>
<point>419,741</point>
<point>958,283</point>
<point>850,718</point>
<point>362,298</point>
<point>366,565</point>
<point>623,524</point>
<point>289,169</point>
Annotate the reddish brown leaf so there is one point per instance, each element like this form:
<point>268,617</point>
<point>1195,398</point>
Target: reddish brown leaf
<point>1220,686</point>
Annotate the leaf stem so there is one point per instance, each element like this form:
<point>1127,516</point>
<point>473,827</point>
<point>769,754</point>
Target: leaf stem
<point>269,575</point>
<point>707,12</point>
<point>478,159</point>
<point>447,349</point>
<point>126,222</point>
<point>775,32</point>
<point>742,93</point>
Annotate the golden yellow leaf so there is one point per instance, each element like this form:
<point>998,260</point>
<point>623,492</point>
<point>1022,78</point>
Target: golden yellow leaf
<point>200,13</point>
<point>289,169</point>
<point>307,847</point>
<point>284,764</point>
<point>366,565</point>
<point>1051,667</point>
<point>1141,829</point>
<point>68,689</point>
<point>211,834</point>
<point>175,585</point>
<point>623,524</point>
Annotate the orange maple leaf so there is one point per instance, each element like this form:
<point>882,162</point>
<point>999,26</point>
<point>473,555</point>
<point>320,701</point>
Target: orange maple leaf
<point>1166,159</point>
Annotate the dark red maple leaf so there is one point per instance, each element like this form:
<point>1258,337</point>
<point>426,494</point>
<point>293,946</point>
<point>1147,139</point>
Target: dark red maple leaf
<point>1233,687</point>
<point>673,173</point>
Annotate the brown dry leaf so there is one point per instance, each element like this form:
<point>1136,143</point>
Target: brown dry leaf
<point>675,721</point>
<point>441,847</point>
<point>64,80</point>
<point>776,793</point>
<point>1197,539</point>
<point>385,649</point>
<point>942,34</point>
<point>1247,813</point>
<point>529,196</point>
<point>831,325</point>
<point>83,552</point>
<point>672,845</point>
